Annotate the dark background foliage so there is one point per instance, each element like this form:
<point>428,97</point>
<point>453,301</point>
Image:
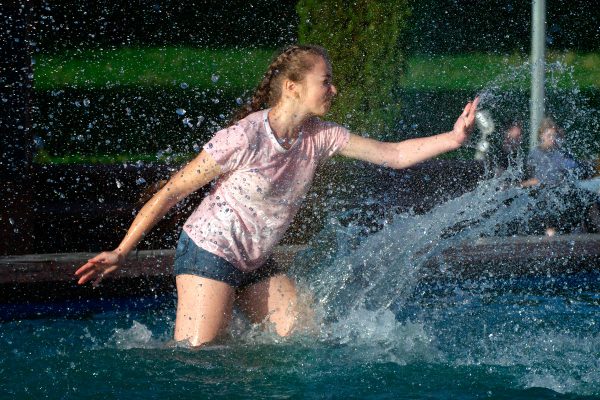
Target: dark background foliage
<point>437,26</point>
<point>88,24</point>
<point>459,26</point>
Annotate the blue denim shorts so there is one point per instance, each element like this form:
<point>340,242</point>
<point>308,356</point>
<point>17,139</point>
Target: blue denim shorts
<point>194,260</point>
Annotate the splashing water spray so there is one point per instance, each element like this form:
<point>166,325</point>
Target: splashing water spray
<point>486,125</point>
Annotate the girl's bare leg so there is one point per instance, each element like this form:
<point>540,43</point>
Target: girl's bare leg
<point>273,300</point>
<point>204,309</point>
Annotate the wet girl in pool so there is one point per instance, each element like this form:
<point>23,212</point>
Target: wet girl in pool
<point>263,163</point>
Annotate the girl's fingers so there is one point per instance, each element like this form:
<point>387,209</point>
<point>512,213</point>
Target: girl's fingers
<point>470,108</point>
<point>86,277</point>
<point>88,265</point>
<point>95,269</point>
<point>474,107</point>
<point>96,272</point>
<point>466,110</point>
<point>84,268</point>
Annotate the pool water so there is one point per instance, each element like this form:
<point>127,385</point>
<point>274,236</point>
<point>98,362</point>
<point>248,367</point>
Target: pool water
<point>512,339</point>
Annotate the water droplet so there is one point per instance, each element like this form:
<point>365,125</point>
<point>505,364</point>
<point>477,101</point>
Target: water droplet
<point>214,78</point>
<point>239,101</point>
<point>183,85</point>
<point>180,111</point>
<point>86,102</point>
<point>39,142</point>
<point>140,181</point>
<point>12,221</point>
<point>119,184</point>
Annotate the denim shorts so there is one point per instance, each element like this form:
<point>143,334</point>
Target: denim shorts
<point>194,260</point>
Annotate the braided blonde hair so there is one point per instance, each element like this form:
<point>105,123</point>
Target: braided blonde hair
<point>292,63</point>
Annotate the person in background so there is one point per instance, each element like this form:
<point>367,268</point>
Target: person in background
<point>554,173</point>
<point>549,164</point>
<point>508,154</point>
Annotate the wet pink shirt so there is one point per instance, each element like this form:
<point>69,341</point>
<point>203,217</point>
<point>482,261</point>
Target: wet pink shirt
<point>261,187</point>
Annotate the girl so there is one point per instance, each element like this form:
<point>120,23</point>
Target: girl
<point>263,165</point>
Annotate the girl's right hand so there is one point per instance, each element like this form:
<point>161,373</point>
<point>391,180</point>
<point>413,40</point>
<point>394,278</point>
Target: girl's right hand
<point>98,267</point>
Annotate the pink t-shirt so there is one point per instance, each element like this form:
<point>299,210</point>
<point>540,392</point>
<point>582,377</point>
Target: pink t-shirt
<point>261,187</point>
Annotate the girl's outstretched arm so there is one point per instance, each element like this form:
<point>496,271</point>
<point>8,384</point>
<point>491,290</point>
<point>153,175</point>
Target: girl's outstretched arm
<point>199,172</point>
<point>412,151</point>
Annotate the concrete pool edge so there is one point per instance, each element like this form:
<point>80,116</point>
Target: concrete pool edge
<point>40,278</point>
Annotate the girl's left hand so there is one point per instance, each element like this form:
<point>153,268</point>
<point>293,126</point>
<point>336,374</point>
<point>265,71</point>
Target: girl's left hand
<point>465,123</point>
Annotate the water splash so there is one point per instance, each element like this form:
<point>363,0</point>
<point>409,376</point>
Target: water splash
<point>139,336</point>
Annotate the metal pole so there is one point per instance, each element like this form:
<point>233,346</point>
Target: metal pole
<point>538,49</point>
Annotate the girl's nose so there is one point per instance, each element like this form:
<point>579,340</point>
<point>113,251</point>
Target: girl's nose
<point>333,90</point>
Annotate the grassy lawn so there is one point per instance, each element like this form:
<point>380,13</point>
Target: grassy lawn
<point>170,66</point>
<point>240,69</point>
<point>476,71</point>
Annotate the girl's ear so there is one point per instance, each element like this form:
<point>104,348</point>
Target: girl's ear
<point>291,88</point>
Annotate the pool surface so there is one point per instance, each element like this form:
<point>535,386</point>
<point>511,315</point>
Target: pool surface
<point>524,338</point>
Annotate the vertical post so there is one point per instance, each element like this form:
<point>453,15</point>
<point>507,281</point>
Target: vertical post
<point>538,49</point>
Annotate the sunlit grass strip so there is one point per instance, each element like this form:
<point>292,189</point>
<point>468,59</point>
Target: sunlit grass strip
<point>241,69</point>
<point>236,69</point>
<point>477,71</point>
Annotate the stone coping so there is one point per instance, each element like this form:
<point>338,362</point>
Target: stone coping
<point>523,254</point>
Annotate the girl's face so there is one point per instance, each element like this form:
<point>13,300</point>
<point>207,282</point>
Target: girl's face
<point>316,90</point>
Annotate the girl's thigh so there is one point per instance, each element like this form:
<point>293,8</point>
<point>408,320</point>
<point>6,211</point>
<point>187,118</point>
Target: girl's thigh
<point>273,299</point>
<point>204,309</point>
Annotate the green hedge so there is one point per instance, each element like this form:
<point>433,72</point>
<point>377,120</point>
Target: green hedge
<point>236,70</point>
<point>240,69</point>
<point>365,40</point>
